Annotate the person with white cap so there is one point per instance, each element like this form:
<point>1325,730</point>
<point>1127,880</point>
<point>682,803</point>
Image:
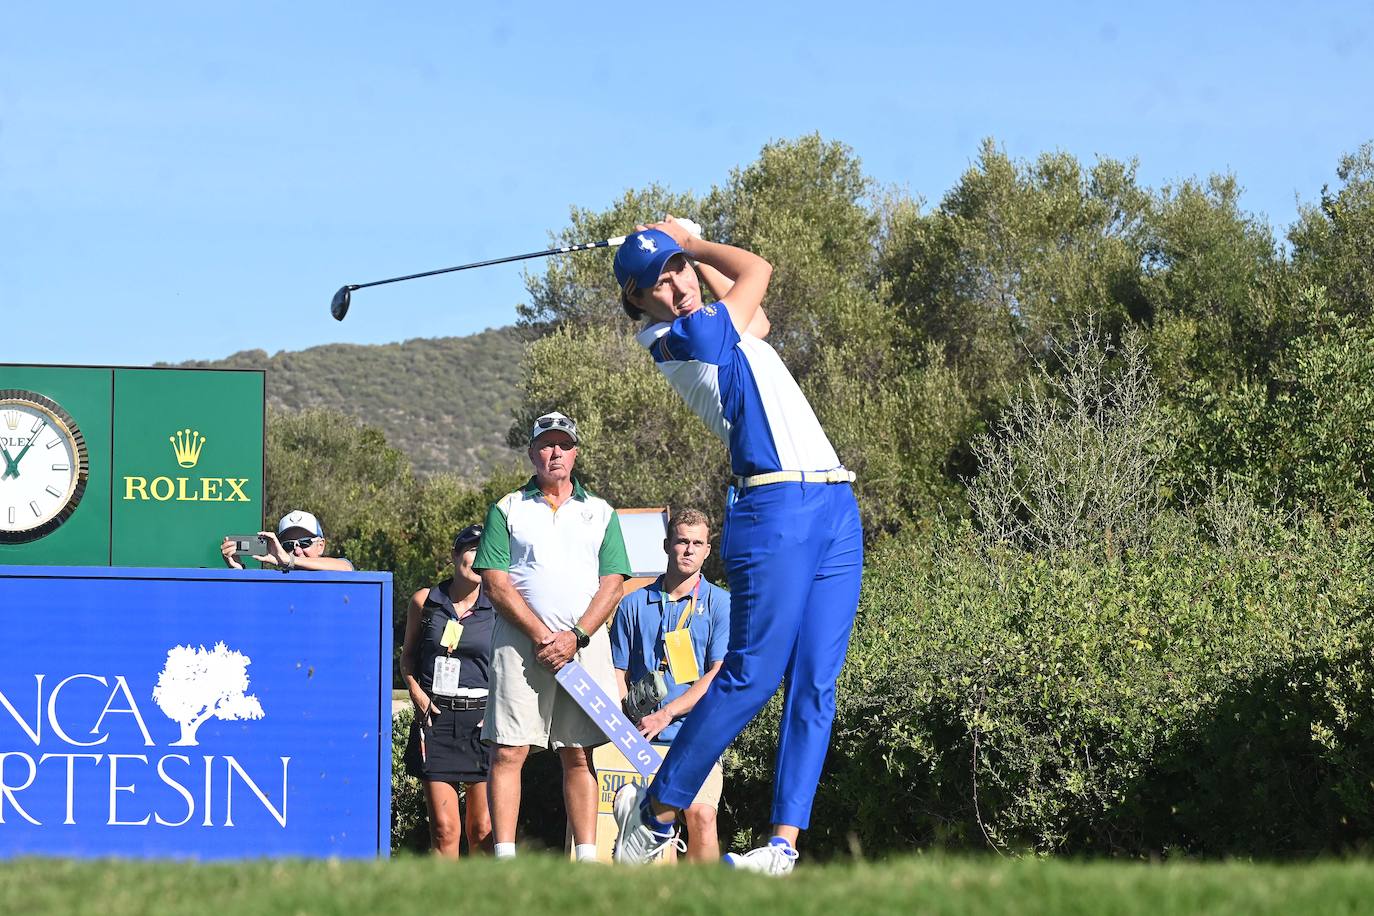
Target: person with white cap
<point>792,542</point>
<point>298,543</point>
<point>553,563</point>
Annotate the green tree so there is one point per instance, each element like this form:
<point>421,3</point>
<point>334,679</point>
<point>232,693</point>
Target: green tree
<point>1014,252</point>
<point>1333,242</point>
<point>344,472</point>
<point>1218,295</point>
<point>1302,433</point>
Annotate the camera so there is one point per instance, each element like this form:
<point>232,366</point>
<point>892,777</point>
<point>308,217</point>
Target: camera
<point>251,545</point>
<point>644,695</point>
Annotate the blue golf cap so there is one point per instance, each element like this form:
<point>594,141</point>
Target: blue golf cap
<point>641,257</point>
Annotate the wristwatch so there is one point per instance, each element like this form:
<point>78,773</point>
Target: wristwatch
<point>583,637</point>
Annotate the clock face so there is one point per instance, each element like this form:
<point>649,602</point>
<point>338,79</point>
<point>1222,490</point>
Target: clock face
<point>43,466</point>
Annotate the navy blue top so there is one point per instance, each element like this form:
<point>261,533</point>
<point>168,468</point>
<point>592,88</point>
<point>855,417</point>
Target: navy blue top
<point>474,645</point>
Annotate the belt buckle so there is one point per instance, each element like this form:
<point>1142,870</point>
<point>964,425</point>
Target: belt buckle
<point>464,704</point>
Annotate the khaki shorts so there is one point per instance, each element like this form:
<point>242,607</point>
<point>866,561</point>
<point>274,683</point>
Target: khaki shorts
<point>526,706</point>
<point>709,794</point>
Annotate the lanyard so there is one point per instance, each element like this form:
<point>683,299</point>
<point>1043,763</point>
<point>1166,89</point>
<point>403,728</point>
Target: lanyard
<point>453,619</point>
<point>683,622</point>
<point>691,605</point>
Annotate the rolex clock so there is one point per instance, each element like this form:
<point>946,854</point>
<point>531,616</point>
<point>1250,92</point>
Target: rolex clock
<point>45,466</point>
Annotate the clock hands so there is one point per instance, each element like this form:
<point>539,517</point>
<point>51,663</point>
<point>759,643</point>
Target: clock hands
<point>28,418</point>
<point>12,464</point>
<point>9,463</point>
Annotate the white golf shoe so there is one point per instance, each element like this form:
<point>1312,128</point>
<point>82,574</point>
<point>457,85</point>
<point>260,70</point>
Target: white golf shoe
<point>636,844</point>
<point>773,859</point>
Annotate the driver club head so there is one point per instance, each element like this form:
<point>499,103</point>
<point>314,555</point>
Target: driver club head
<point>339,307</point>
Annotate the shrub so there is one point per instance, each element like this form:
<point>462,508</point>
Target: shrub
<point>1194,696</point>
<point>1073,460</point>
<point>1076,669</point>
<point>409,819</point>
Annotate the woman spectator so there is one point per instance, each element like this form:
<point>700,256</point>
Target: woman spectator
<point>444,661</point>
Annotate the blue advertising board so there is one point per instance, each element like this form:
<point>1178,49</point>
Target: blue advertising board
<point>194,713</point>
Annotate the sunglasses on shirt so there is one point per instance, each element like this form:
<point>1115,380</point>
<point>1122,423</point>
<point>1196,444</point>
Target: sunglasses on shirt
<point>291,544</point>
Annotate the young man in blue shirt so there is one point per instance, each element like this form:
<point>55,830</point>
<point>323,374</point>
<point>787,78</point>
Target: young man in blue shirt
<point>686,614</point>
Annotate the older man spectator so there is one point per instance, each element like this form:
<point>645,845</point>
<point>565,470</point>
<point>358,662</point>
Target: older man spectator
<point>553,563</point>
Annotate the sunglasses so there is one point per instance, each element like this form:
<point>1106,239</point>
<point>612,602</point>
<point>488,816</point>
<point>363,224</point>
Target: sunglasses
<point>291,544</point>
<point>547,423</point>
<point>557,423</point>
<point>468,538</point>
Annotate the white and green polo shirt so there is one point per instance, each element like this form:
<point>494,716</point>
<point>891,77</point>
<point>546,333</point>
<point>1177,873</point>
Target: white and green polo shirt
<point>555,558</point>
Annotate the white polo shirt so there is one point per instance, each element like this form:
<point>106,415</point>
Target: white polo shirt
<point>555,558</point>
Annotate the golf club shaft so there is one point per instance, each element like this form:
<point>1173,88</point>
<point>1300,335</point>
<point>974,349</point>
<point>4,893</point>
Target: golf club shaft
<point>605,243</point>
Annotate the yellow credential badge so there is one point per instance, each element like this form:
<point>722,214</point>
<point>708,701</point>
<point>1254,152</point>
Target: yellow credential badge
<point>682,658</point>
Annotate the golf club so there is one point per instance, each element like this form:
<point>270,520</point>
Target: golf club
<point>339,306</point>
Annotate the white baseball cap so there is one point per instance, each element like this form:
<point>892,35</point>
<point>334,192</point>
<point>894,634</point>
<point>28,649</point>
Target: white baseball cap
<point>299,518</point>
<point>553,422</point>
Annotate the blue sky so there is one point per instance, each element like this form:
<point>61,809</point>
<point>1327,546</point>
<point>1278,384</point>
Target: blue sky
<point>181,182</point>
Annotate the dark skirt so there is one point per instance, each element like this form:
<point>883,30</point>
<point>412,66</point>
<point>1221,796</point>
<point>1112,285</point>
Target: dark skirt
<point>454,751</point>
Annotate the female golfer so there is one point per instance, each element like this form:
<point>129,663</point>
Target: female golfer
<point>793,545</point>
<point>444,660</point>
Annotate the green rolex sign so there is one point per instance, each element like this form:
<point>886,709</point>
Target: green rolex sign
<point>127,467</point>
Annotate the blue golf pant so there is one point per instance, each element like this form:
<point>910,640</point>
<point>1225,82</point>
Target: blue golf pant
<point>794,558</point>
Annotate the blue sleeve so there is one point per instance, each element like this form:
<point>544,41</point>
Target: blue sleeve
<point>621,626</point>
<point>707,335</point>
<point>720,626</point>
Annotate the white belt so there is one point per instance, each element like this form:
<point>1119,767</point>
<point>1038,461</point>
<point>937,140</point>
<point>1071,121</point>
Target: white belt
<point>835,475</point>
<point>470,692</point>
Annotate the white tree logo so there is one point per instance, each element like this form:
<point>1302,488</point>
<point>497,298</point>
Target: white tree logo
<point>195,685</point>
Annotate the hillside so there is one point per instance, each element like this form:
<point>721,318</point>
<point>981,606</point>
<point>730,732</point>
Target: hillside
<point>445,401</point>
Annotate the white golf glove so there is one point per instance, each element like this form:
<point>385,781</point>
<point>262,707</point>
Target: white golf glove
<point>693,228</point>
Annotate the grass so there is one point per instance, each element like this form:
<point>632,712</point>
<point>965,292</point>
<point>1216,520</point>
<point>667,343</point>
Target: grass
<point>539,884</point>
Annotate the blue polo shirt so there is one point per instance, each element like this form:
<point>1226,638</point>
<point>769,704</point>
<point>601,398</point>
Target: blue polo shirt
<point>642,621</point>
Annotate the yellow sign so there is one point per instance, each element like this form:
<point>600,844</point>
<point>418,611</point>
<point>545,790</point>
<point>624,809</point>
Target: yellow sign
<point>613,772</point>
<point>186,446</point>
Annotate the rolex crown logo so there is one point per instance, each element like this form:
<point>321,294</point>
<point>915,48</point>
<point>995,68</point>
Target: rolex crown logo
<point>12,419</point>
<point>187,444</point>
